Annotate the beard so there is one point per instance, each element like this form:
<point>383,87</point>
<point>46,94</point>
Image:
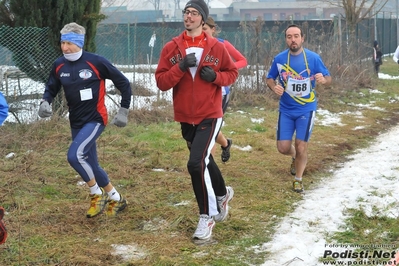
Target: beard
<point>295,49</point>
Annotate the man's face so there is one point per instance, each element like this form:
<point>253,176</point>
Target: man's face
<point>294,39</point>
<point>192,19</point>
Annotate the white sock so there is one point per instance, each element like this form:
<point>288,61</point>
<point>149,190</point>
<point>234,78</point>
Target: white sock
<point>114,195</point>
<point>298,178</point>
<point>95,190</point>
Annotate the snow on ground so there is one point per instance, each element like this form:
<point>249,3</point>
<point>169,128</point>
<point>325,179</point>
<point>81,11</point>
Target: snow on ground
<point>368,180</point>
<point>302,233</point>
<point>300,237</point>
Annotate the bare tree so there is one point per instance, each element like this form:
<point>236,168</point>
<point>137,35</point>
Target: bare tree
<point>155,3</point>
<point>6,15</point>
<point>358,10</point>
<point>177,4</point>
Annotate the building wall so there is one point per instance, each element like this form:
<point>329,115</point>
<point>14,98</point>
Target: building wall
<point>238,11</point>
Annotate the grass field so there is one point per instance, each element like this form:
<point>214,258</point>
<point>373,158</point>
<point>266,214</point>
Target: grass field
<point>46,204</point>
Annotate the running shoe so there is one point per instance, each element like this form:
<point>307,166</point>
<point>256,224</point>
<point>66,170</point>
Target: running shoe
<point>223,205</point>
<point>297,186</point>
<point>226,151</point>
<point>204,227</point>
<point>97,204</point>
<point>115,207</point>
<point>293,170</point>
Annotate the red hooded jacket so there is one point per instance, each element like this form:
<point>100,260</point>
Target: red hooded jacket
<point>195,99</point>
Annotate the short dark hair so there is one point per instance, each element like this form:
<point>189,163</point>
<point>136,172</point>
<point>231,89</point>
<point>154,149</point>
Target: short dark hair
<point>293,26</point>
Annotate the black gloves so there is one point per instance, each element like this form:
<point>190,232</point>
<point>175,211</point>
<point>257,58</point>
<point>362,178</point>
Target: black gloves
<point>189,61</point>
<point>208,74</point>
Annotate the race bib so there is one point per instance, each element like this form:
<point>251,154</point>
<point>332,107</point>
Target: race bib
<point>198,53</point>
<point>86,94</point>
<point>298,87</point>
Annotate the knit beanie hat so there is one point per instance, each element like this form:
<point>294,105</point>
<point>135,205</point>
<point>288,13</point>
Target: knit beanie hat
<point>375,44</point>
<point>201,6</point>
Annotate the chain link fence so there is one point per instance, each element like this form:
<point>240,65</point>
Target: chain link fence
<point>26,55</point>
<point>25,61</point>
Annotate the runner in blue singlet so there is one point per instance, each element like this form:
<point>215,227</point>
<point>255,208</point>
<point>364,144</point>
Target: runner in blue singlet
<point>293,75</point>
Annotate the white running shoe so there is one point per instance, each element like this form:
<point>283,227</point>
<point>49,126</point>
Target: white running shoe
<point>223,204</point>
<point>204,227</point>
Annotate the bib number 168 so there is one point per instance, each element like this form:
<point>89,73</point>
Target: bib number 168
<point>299,87</point>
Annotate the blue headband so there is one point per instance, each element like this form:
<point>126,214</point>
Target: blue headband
<point>75,38</point>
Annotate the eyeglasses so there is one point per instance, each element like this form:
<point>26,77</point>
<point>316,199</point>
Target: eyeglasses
<point>193,13</point>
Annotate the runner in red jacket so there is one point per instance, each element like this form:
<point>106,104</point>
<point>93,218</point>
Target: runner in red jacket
<point>194,98</point>
<point>196,66</point>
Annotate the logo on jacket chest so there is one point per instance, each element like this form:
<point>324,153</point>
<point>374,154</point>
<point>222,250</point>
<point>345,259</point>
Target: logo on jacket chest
<point>175,59</point>
<point>208,58</point>
<point>63,75</point>
<point>85,73</point>
<point>211,59</point>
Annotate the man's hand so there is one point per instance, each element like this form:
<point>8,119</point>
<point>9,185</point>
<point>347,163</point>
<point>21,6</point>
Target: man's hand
<point>278,89</point>
<point>208,74</point>
<point>45,109</point>
<point>189,61</point>
<point>320,78</point>
<point>325,80</point>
